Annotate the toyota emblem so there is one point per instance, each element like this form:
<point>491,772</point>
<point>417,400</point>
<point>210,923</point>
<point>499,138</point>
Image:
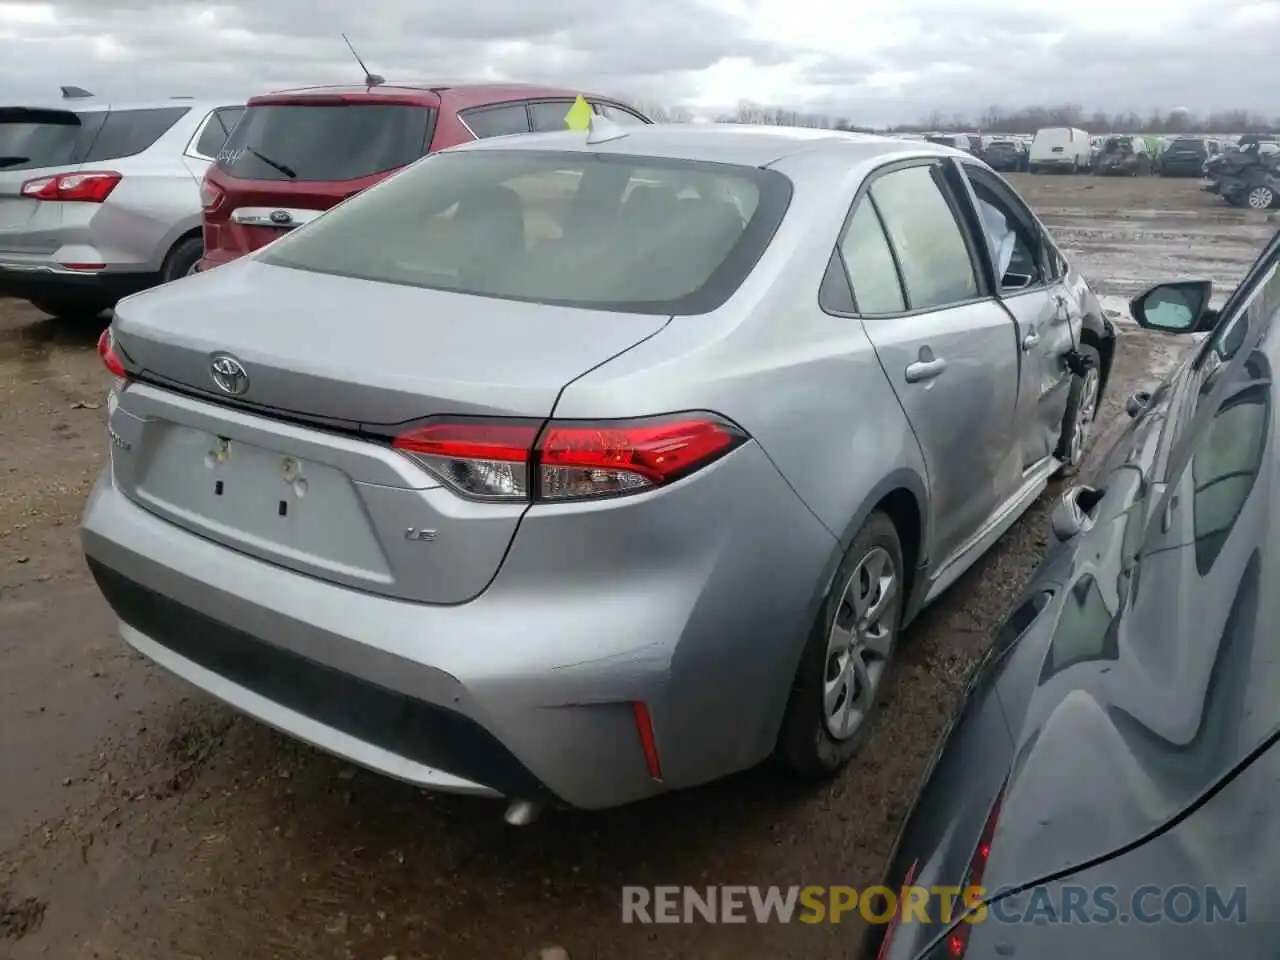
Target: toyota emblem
<point>229,375</point>
<point>281,217</point>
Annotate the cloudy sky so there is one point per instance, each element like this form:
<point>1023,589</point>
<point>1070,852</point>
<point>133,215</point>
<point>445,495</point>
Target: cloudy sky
<point>872,62</point>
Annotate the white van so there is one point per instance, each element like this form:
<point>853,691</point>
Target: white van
<point>1060,148</point>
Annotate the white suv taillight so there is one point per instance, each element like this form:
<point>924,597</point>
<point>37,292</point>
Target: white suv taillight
<point>73,187</point>
<point>567,460</point>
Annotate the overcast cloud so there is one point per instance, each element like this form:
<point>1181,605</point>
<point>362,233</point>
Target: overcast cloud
<point>891,61</point>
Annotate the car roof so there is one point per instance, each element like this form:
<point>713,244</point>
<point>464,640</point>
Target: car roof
<point>430,93</point>
<point>97,104</point>
<point>755,146</point>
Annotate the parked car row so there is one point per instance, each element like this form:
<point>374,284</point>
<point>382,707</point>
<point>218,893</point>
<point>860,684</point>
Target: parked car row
<point>101,199</point>
<point>467,480</point>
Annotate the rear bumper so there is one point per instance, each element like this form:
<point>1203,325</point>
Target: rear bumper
<point>1174,168</point>
<point>526,691</point>
<point>29,280</point>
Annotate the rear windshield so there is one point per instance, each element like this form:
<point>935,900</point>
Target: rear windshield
<point>1119,144</point>
<point>629,234</point>
<point>324,142</point>
<point>37,138</point>
<point>1197,145</point>
<point>942,141</point>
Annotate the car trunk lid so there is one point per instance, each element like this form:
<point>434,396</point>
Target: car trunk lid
<point>296,470</point>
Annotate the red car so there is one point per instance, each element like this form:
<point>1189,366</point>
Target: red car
<point>296,153</point>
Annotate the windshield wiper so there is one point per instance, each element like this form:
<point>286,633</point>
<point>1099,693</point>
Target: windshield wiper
<point>11,161</point>
<point>286,170</point>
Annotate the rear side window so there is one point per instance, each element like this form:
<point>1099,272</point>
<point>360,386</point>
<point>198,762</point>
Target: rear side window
<point>214,135</point>
<point>126,133</point>
<point>334,142</point>
<point>930,247</point>
<point>869,264</point>
<point>624,118</point>
<point>42,138</point>
<point>628,234</point>
<point>497,121</point>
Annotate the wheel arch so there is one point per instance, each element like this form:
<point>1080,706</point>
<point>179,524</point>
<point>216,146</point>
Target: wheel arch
<point>1098,333</point>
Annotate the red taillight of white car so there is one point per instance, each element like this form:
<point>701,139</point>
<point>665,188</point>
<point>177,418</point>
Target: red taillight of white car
<point>567,460</point>
<point>73,187</point>
<point>107,351</point>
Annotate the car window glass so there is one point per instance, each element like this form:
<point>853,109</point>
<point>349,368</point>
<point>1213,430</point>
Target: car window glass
<point>869,264</point>
<point>619,116</point>
<point>497,121</point>
<point>1017,256</point>
<point>549,116</point>
<point>126,133</point>
<point>322,141</point>
<point>929,244</point>
<point>627,234</point>
<point>214,135</point>
<point>1225,340</point>
<point>30,139</point>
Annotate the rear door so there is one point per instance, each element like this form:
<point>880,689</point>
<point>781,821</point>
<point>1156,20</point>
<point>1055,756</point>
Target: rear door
<point>945,344</point>
<point>37,142</point>
<point>286,163</point>
<point>1041,309</point>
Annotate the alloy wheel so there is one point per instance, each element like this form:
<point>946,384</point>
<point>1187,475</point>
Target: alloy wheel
<point>1084,415</point>
<point>1261,198</point>
<point>860,643</point>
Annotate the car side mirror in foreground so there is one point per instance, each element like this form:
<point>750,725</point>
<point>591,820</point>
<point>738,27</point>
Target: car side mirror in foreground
<point>1073,514</point>
<point>1174,307</point>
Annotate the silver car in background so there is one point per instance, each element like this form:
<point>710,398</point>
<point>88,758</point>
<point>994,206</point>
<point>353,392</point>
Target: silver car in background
<point>577,467</point>
<point>99,200</point>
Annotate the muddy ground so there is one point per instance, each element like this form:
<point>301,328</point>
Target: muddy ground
<point>140,820</point>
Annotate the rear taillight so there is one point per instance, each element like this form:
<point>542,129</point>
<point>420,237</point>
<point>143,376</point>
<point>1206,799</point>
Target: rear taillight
<point>567,460</point>
<point>73,187</point>
<point>211,195</point>
<point>107,351</point>
<point>958,939</point>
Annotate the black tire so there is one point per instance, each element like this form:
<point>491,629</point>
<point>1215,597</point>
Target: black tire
<point>1261,197</point>
<point>805,747</point>
<point>1072,450</point>
<point>72,306</point>
<point>182,259</point>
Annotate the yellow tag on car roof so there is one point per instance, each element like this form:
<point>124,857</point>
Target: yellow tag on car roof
<point>579,115</point>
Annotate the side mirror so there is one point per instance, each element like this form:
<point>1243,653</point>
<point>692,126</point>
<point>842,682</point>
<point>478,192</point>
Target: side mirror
<point>1071,517</point>
<point>1173,307</point>
<point>1136,403</point>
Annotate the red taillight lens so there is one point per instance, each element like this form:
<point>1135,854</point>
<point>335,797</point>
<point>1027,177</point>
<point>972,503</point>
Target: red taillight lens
<point>958,939</point>
<point>73,187</point>
<point>107,351</point>
<point>211,196</point>
<point>493,460</point>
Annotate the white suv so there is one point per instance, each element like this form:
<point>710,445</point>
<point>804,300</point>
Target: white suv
<point>99,200</point>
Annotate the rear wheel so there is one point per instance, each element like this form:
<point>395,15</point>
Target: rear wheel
<point>182,259</point>
<point>1261,197</point>
<point>1082,410</point>
<point>848,654</point>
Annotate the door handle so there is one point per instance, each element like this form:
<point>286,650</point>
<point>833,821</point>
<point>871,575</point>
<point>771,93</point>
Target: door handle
<point>1030,340</point>
<point>923,370</point>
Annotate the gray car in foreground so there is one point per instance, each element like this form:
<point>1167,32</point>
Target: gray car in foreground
<point>577,467</point>
<point>99,200</point>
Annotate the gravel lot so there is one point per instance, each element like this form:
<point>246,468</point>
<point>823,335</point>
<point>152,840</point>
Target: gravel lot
<point>140,820</point>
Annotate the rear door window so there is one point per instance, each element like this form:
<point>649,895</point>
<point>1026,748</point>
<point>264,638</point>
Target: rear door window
<point>214,135</point>
<point>330,142</point>
<point>497,121</point>
<point>869,264</point>
<point>927,240</point>
<point>31,139</point>
<point>126,133</point>
<point>549,115</point>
